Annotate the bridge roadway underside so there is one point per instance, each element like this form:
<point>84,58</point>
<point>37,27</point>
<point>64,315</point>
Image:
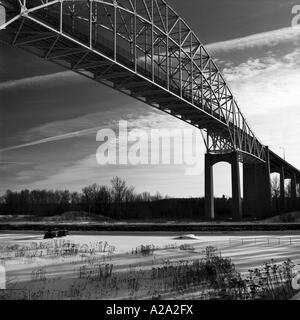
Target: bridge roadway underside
<point>123,67</point>
<point>257,191</point>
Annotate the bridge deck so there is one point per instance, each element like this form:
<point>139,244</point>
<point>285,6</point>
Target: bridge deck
<point>114,63</point>
<point>53,34</point>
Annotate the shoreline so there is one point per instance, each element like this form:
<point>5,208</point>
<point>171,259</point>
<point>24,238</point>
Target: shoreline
<point>153,227</point>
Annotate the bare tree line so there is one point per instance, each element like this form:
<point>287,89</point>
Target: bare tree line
<point>275,187</point>
<point>94,199</point>
<point>118,200</point>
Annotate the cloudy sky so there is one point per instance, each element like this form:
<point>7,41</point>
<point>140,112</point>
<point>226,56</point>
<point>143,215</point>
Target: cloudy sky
<point>49,117</point>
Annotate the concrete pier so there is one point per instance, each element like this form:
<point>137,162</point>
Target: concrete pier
<point>233,160</point>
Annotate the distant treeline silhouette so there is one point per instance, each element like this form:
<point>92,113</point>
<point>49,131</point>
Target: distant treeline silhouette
<point>116,201</point>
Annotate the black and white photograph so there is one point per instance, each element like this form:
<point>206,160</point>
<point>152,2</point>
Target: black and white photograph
<point>149,150</point>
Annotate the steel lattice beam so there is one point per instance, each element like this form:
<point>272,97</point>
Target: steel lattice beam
<point>146,41</point>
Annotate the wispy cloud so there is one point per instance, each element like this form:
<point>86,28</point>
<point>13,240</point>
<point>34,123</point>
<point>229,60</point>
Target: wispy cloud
<point>267,90</point>
<point>269,39</point>
<point>68,135</point>
<point>142,120</point>
<point>265,85</point>
<point>38,80</point>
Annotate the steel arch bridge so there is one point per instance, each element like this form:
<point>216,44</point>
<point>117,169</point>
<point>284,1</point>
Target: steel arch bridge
<point>144,49</point>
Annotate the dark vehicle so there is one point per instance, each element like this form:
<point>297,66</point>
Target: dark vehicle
<point>62,233</point>
<point>50,234</point>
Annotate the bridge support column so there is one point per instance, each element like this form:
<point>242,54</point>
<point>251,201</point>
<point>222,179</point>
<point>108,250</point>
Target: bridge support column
<point>233,159</point>
<point>209,187</point>
<point>282,191</point>
<point>294,191</point>
<point>257,202</point>
<point>236,187</point>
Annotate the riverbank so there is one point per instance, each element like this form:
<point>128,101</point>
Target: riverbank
<point>151,227</point>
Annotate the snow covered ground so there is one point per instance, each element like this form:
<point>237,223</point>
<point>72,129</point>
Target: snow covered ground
<point>247,250</point>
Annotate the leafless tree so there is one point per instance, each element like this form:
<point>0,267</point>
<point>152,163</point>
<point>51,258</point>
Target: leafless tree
<point>275,187</point>
<point>130,195</point>
<point>288,189</point>
<point>90,194</point>
<point>119,189</point>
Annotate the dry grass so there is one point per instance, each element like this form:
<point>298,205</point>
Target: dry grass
<point>96,275</point>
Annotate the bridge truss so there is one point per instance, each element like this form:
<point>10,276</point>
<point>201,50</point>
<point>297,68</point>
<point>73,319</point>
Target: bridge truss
<point>141,48</point>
